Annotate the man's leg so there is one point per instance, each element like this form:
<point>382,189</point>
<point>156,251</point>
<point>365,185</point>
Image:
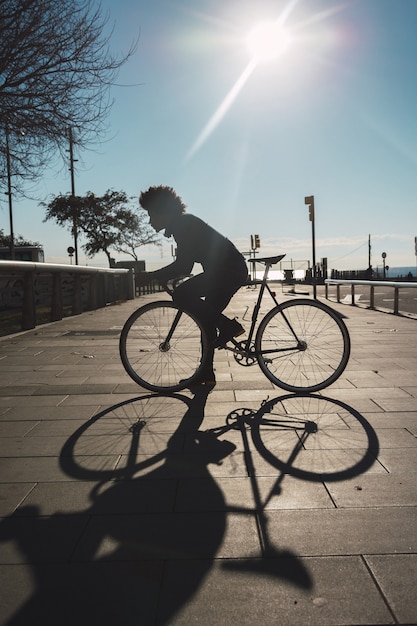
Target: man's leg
<point>188,296</point>
<point>217,293</point>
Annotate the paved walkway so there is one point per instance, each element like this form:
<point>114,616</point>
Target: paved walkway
<point>189,518</point>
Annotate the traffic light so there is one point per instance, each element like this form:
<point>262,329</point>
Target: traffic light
<point>310,201</point>
<point>255,242</point>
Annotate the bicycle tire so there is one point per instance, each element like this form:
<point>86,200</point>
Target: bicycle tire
<point>322,353</point>
<point>152,362</point>
<point>123,439</point>
<point>314,438</point>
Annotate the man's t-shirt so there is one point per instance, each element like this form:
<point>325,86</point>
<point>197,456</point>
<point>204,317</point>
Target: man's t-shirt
<point>197,242</point>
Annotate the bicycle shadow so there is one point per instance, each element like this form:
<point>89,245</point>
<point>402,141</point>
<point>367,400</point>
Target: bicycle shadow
<point>138,553</point>
<point>306,436</point>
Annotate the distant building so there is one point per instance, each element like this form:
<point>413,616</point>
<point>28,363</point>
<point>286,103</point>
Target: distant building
<point>23,253</point>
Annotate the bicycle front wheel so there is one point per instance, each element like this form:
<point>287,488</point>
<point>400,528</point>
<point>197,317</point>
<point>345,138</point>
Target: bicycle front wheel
<point>302,345</point>
<point>162,348</point>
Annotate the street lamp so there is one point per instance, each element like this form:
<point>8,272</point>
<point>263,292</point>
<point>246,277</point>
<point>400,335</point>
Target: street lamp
<point>9,188</point>
<point>385,267</point>
<point>74,209</point>
<point>9,193</point>
<point>310,201</point>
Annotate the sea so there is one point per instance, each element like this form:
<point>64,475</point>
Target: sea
<point>401,272</point>
<point>392,272</point>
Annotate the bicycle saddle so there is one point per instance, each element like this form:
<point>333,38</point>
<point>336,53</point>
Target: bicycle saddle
<point>270,260</point>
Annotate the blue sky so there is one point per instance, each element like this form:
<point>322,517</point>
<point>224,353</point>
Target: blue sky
<point>334,116</point>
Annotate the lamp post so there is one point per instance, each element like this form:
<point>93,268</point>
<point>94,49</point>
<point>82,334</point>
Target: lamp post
<point>9,193</point>
<point>310,201</point>
<point>255,243</point>
<point>384,256</point>
<point>74,214</point>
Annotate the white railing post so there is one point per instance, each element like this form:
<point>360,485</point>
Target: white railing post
<point>396,285</point>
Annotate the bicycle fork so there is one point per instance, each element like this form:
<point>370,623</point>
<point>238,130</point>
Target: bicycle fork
<point>165,345</point>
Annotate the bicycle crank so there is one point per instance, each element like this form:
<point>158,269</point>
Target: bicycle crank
<point>243,354</point>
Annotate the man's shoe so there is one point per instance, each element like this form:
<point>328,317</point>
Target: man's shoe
<point>228,330</point>
<point>206,378</point>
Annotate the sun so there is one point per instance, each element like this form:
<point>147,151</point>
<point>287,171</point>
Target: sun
<point>268,40</point>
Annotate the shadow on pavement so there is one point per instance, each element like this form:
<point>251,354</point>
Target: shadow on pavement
<point>116,561</point>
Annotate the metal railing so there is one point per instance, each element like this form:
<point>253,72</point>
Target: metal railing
<point>408,306</point>
<point>33,293</point>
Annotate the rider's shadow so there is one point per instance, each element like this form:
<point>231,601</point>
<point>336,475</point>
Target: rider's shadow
<point>127,538</point>
<point>139,559</point>
<point>146,522</point>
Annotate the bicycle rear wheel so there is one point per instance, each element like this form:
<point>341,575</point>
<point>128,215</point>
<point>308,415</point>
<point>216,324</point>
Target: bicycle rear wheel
<point>162,348</point>
<point>302,345</point>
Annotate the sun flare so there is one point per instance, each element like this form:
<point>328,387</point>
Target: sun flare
<point>268,40</point>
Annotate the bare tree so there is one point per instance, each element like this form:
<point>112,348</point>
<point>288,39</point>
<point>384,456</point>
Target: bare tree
<point>107,222</point>
<point>56,71</point>
<point>139,233</point>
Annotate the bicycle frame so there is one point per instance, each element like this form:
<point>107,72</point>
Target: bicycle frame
<point>264,286</point>
<point>238,348</point>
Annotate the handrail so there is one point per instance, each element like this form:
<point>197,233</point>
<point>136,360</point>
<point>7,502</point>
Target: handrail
<point>396,285</point>
<point>35,293</point>
<point>59,267</point>
<point>380,283</point>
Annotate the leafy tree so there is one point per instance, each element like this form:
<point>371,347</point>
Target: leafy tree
<point>19,240</point>
<point>107,222</point>
<point>56,71</point>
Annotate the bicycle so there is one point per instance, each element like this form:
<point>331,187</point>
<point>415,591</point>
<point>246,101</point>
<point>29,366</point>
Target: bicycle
<point>300,345</point>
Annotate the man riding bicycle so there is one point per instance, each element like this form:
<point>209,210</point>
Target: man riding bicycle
<point>205,295</point>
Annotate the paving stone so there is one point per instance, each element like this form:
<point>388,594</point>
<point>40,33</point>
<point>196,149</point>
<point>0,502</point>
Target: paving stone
<point>175,535</point>
<point>284,590</point>
<point>376,490</point>
<point>31,446</point>
<point>287,492</point>
<point>396,438</point>
<point>35,401</point>
<point>29,412</point>
<point>47,469</point>
<point>11,495</point>
<point>71,389</point>
<point>81,593</point>
<point>326,532</point>
<point>102,399</point>
<point>112,498</point>
<point>399,460</point>
<point>394,419</point>
<point>18,390</point>
<point>12,429</point>
<point>35,539</point>
<point>396,404</point>
<point>397,576</point>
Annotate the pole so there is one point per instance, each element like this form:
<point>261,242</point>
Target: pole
<point>310,201</point>
<point>74,215</point>
<point>415,250</point>
<point>313,240</point>
<point>9,193</point>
